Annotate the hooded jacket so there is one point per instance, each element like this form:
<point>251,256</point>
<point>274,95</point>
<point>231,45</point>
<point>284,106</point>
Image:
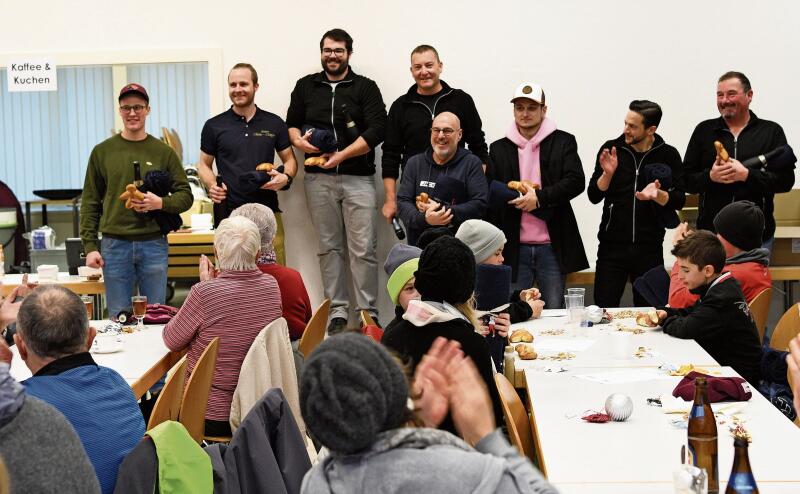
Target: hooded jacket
<point>562,180</point>
<point>750,269</point>
<point>626,219</point>
<point>317,102</point>
<point>409,123</point>
<point>721,323</point>
<point>421,174</point>
<point>440,462</point>
<point>422,323</point>
<point>758,137</point>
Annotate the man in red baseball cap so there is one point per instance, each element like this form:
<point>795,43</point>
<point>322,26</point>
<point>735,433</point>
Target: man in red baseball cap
<point>133,246</point>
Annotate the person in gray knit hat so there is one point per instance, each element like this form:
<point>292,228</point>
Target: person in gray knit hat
<point>354,397</point>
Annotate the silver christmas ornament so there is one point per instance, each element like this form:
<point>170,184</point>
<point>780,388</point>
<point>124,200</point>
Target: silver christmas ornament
<point>619,407</point>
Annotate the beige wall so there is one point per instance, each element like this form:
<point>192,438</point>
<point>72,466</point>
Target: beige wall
<point>591,57</point>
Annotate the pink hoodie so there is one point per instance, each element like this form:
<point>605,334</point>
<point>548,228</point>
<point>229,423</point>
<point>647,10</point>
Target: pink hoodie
<point>532,230</point>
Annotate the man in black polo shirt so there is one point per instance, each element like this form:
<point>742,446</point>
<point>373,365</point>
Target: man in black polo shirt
<point>409,124</point>
<point>239,140</point>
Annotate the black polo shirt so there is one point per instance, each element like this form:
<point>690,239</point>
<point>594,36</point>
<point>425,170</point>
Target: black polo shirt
<point>238,146</point>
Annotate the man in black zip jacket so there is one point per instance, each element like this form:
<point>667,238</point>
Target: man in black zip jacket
<point>744,136</point>
<point>410,117</point>
<point>341,192</point>
<point>544,243</point>
<point>636,207</point>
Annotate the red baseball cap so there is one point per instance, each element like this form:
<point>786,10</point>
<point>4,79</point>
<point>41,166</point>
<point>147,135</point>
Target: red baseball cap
<point>134,88</point>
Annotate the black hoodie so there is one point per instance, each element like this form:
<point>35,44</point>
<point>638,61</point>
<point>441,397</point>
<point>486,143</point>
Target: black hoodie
<point>420,175</point>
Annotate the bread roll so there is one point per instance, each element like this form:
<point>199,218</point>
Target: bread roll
<point>315,161</point>
<point>722,153</point>
<point>521,336</point>
<point>526,352</point>
<point>265,167</point>
<point>423,197</point>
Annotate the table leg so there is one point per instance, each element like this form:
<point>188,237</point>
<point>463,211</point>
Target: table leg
<point>44,214</point>
<point>28,220</point>
<point>75,227</point>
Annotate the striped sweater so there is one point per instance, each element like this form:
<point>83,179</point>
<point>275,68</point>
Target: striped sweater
<point>235,307</point>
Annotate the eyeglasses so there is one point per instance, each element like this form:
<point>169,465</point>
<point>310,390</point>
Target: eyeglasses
<point>135,108</point>
<point>335,51</point>
<point>446,131</point>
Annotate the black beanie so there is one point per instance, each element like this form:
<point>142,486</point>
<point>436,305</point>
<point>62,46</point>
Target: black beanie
<point>430,234</point>
<point>351,390</point>
<point>742,224</point>
<point>446,271</point>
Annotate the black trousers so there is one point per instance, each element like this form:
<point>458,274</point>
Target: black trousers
<point>618,263</point>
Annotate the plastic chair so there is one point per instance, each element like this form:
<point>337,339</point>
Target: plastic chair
<point>315,329</point>
<point>195,397</point>
<point>787,328</point>
<point>759,308</point>
<point>519,425</point>
<point>168,404</point>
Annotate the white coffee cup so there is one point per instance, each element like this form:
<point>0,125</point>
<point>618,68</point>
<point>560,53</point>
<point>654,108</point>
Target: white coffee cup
<point>621,345</point>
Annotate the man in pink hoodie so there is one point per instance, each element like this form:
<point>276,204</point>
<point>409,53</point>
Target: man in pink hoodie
<point>544,243</point>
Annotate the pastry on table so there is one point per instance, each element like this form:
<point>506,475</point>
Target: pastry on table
<point>526,352</point>
<point>521,336</point>
<point>647,319</point>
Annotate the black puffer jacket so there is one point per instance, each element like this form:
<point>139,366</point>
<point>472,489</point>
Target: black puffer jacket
<point>317,103</point>
<point>625,218</point>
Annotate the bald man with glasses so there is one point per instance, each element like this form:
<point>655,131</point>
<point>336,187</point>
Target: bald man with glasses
<point>451,176</point>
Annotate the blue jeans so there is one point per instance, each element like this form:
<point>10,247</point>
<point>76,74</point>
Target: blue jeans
<point>538,262</point>
<point>129,264</point>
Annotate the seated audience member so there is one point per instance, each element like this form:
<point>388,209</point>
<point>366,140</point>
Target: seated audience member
<point>53,337</point>
<point>451,176</point>
<point>372,451</point>
<point>793,361</point>
<point>445,280</point>
<point>400,265</point>
<point>486,242</point>
<point>38,445</point>
<point>431,234</point>
<point>234,305</point>
<point>294,297</point>
<point>739,226</point>
<point>720,321</point>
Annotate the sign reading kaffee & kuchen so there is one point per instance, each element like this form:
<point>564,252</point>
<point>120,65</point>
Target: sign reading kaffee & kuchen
<point>31,75</point>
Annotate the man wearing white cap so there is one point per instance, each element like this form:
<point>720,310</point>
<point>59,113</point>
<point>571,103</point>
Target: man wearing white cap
<point>544,243</point>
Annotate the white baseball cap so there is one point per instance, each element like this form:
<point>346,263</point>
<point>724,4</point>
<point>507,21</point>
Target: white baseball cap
<point>529,90</point>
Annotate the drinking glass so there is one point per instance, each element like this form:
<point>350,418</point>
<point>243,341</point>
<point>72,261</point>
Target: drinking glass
<point>139,303</point>
<point>574,305</point>
<point>88,302</point>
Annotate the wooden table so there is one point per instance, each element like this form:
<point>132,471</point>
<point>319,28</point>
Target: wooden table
<point>144,358</point>
<point>640,454</point>
<point>77,284</point>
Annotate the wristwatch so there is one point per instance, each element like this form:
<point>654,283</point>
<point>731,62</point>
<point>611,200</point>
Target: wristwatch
<point>290,179</point>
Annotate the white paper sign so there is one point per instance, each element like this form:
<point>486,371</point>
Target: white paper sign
<point>31,75</point>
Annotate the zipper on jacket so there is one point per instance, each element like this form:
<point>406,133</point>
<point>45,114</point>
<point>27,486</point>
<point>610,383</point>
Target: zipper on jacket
<point>433,113</point>
<point>636,181</point>
<point>610,210</point>
<point>333,112</point>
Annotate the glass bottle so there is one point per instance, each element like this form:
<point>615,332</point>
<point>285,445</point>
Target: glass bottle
<point>741,480</point>
<point>702,448</point>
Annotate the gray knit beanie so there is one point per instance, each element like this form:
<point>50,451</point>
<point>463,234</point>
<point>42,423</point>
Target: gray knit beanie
<point>351,390</point>
<point>482,238</point>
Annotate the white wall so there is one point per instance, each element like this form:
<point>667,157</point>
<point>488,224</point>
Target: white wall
<point>591,57</point>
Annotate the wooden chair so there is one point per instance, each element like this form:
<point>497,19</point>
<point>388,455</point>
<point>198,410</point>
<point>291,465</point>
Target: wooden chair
<point>168,404</point>
<point>195,397</point>
<point>366,319</point>
<point>791,385</point>
<point>154,373</point>
<point>759,308</point>
<point>315,329</point>
<point>787,328</point>
<point>519,425</point>
<point>176,142</point>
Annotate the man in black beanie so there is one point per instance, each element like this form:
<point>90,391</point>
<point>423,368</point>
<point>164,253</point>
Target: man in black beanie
<point>739,227</point>
<point>445,281</point>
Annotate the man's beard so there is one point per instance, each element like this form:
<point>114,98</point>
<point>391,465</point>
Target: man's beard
<point>341,70</point>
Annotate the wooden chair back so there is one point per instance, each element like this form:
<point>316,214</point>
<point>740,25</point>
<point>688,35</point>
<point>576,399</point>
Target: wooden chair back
<point>176,143</point>
<point>366,319</point>
<point>787,328</point>
<point>154,373</point>
<point>315,329</point>
<point>168,404</point>
<point>794,390</point>
<point>519,427</point>
<point>195,397</point>
<point>759,308</point>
